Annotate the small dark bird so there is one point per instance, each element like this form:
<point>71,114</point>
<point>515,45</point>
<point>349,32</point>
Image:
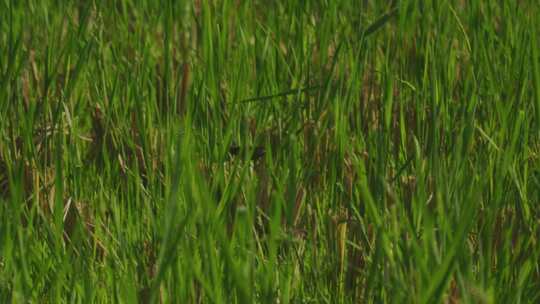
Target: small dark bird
<point>257,152</point>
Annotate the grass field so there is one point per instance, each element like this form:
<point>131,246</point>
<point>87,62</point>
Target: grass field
<point>316,151</point>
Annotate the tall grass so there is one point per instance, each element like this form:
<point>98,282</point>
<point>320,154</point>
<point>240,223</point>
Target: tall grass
<point>270,151</point>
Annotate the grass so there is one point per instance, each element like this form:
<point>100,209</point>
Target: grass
<point>269,151</point>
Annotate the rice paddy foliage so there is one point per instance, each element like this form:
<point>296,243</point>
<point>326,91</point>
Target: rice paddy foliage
<point>269,151</point>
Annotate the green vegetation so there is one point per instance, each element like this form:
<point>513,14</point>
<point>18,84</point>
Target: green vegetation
<point>312,151</point>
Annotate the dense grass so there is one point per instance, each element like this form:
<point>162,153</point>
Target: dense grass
<point>270,151</point>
